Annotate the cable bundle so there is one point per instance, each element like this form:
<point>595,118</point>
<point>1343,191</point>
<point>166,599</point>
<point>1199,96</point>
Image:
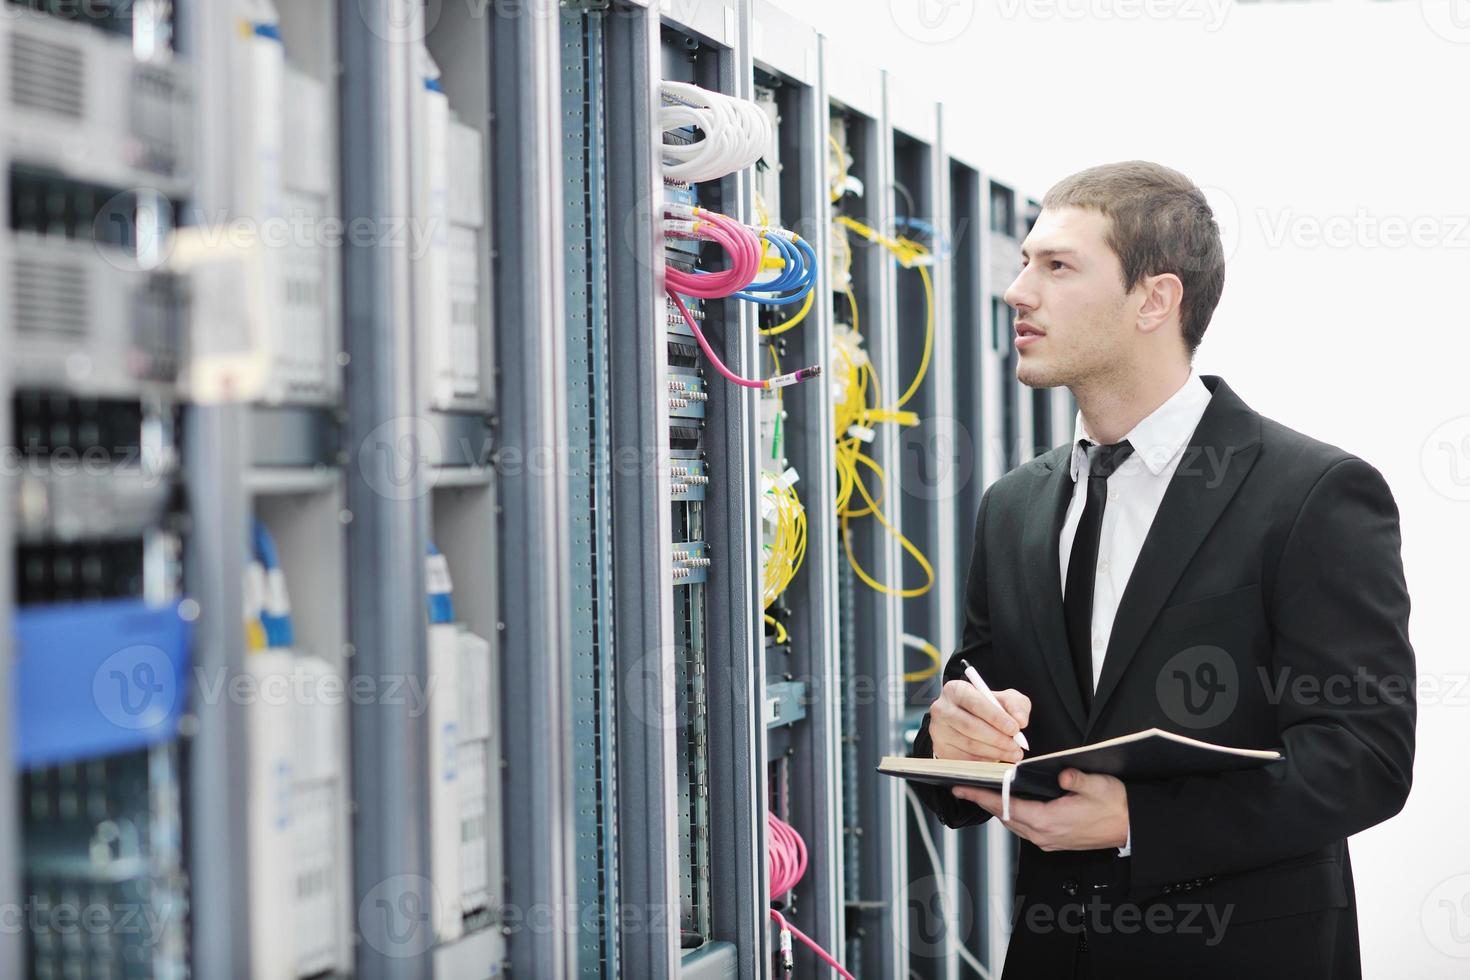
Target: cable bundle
<point>795,263</point>
<point>796,270</point>
<point>783,510</point>
<point>267,602</point>
<point>855,412</point>
<point>742,245</point>
<point>787,863</point>
<point>734,133</point>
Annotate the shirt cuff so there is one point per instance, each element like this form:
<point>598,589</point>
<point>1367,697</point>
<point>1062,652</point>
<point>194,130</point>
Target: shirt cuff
<point>1127,847</point>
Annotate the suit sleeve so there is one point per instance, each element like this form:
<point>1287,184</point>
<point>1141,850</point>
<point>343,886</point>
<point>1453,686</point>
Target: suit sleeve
<point>1339,612</point>
<point>974,647</point>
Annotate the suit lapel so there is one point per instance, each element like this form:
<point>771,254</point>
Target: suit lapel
<point>1216,460</point>
<point>1045,513</point>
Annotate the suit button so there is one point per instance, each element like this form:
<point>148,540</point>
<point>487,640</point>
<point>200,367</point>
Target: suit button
<point>1168,889</point>
<point>1069,886</point>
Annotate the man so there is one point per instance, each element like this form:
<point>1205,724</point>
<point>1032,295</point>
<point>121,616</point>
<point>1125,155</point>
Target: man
<point>1186,564</point>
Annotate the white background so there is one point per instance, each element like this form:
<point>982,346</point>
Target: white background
<point>1333,137</point>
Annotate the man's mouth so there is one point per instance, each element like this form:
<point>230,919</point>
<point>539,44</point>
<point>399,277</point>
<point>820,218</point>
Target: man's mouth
<point>1027,334</point>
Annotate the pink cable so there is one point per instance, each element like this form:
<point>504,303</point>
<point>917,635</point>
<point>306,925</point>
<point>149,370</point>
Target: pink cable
<point>740,243</point>
<point>787,853</point>
<point>811,944</point>
<point>780,381</point>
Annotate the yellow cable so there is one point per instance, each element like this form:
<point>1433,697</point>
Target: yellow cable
<point>781,635</point>
<point>781,328</point>
<point>834,188</point>
<point>911,255</point>
<point>914,676</point>
<point>858,409</point>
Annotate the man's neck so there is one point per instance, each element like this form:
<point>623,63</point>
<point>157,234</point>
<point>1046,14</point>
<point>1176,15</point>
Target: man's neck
<point>1112,407</point>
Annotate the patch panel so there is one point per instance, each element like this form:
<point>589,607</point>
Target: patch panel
<point>688,394</point>
<point>688,475</point>
<point>691,562</point>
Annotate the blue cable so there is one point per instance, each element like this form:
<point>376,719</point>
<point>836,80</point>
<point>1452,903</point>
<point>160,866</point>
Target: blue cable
<point>277,626</point>
<point>441,603</point>
<point>799,273</point>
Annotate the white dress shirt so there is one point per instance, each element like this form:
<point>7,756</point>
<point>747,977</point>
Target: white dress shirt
<point>1134,492</point>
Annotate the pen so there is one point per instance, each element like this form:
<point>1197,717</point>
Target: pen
<point>974,677</point>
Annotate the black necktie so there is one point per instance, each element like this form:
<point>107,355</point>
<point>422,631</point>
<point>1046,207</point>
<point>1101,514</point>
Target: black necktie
<point>1082,566</point>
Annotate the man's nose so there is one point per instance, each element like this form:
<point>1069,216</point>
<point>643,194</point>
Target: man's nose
<point>1018,294</point>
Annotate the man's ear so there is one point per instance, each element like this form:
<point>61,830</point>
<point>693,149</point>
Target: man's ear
<point>1162,297</point>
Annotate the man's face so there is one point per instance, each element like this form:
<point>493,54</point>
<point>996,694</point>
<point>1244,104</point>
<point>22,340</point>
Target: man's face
<point>1074,322</point>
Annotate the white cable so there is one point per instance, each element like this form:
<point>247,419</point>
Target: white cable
<point>735,133</point>
<point>965,954</point>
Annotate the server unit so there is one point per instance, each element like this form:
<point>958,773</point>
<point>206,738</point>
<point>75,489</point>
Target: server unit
<point>97,154</point>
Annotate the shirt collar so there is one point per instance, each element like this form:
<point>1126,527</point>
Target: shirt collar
<point>1160,436</point>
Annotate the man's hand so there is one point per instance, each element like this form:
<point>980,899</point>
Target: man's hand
<point>1093,814</point>
<point>963,724</point>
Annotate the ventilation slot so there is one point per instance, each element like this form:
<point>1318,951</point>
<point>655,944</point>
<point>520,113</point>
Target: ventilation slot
<point>46,76</point>
<point>50,297</point>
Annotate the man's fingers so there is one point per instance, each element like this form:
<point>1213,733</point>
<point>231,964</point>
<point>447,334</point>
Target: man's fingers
<point>1017,705</point>
<point>952,744</point>
<point>964,695</point>
<point>989,799</point>
<point>1077,781</point>
<point>976,739</point>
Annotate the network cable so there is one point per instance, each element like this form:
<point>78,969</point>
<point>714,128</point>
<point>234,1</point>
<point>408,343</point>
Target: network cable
<point>267,602</point>
<point>780,381</point>
<point>733,133</point>
<point>854,417</point>
<point>787,856</point>
<point>911,642</point>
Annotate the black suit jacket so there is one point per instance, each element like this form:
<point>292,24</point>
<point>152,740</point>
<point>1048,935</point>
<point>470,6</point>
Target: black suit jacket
<point>1267,609</point>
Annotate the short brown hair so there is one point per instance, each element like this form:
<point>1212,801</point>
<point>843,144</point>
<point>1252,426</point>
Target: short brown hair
<point>1161,223</point>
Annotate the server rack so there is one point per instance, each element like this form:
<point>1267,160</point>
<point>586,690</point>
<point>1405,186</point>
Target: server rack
<point>530,280</point>
<point>801,713</point>
<point>979,928</point>
<point>454,290</point>
<point>93,522</point>
<point>594,689</point>
<point>723,682</point>
<point>646,658</point>
<point>12,945</point>
<point>871,621</point>
<point>922,339</point>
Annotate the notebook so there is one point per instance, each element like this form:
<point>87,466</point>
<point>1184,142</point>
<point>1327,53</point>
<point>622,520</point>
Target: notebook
<point>1151,754</point>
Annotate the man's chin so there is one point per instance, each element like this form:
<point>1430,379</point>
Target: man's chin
<point>1037,376</point>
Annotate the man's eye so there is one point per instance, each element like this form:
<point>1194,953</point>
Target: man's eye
<point>1058,264</point>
